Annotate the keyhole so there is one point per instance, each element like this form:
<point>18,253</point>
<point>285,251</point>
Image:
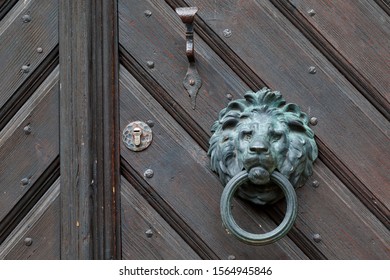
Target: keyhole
<point>137,132</point>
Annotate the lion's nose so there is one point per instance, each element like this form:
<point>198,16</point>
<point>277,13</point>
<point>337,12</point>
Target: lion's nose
<point>258,147</point>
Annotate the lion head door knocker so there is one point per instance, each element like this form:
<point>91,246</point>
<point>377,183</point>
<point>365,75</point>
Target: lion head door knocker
<point>262,148</point>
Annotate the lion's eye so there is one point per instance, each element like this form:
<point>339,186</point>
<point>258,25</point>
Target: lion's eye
<point>247,135</point>
<point>276,135</point>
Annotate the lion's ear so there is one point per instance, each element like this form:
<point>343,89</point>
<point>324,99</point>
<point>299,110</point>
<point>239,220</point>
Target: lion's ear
<point>296,125</point>
<point>229,122</point>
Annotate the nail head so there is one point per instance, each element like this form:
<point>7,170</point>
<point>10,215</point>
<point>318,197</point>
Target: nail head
<point>312,70</point>
<point>149,233</point>
<point>313,121</point>
<point>315,184</point>
<point>229,96</point>
<point>24,181</point>
<point>150,123</point>
<point>231,257</point>
<point>26,18</point>
<point>26,68</point>
<point>28,241</point>
<point>150,64</point>
<point>149,173</point>
<point>39,50</point>
<point>148,13</point>
<point>27,129</point>
<point>227,33</point>
<point>311,12</point>
<point>317,238</point>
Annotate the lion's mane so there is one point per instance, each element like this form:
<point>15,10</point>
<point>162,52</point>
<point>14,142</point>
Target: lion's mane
<point>297,159</point>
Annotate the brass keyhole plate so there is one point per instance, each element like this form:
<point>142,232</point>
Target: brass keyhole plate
<point>137,136</point>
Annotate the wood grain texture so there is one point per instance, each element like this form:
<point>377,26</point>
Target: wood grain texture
<point>29,155</point>
<point>29,86</point>
<point>137,218</point>
<point>356,44</point>
<point>105,107</point>
<point>384,4</point>
<point>42,225</point>
<point>142,40</point>
<point>337,228</point>
<point>185,184</point>
<point>347,228</point>
<point>6,6</point>
<point>40,32</point>
<point>353,131</point>
<point>158,77</point>
<point>88,115</point>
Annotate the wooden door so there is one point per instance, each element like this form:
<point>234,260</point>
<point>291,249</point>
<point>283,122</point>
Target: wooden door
<point>77,73</point>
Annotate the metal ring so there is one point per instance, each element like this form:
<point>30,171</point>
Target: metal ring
<point>252,238</point>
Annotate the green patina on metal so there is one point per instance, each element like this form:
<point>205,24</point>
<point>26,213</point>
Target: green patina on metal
<point>262,134</point>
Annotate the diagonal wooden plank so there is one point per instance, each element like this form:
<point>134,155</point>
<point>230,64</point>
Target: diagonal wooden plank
<point>6,6</point>
<point>143,41</point>
<point>37,235</point>
<point>185,185</point>
<point>356,44</point>
<point>28,33</point>
<point>145,234</point>
<point>29,143</point>
<point>353,133</point>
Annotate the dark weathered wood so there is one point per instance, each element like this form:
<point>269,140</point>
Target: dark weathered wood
<point>384,4</point>
<point>89,149</point>
<point>347,228</point>
<point>20,41</point>
<point>167,51</point>
<point>42,225</point>
<point>29,199</point>
<point>145,234</point>
<point>6,6</point>
<point>29,155</point>
<point>361,142</point>
<point>24,92</point>
<point>317,212</point>
<point>357,45</point>
<point>186,185</point>
<point>166,211</point>
<point>211,76</point>
<point>213,40</point>
<point>105,99</point>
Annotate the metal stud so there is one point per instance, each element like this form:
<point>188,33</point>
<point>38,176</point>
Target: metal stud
<point>28,241</point>
<point>26,18</point>
<point>25,181</point>
<point>26,68</point>
<point>148,173</point>
<point>39,50</point>
<point>148,13</point>
<point>229,96</point>
<point>313,121</point>
<point>312,70</point>
<point>150,64</point>
<point>315,184</point>
<point>231,257</point>
<point>27,129</point>
<point>149,233</point>
<point>227,33</point>
<point>311,12</point>
<point>317,238</point>
<point>150,123</point>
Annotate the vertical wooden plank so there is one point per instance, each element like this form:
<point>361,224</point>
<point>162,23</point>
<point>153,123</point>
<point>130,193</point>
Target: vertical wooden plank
<point>88,121</point>
<point>107,149</point>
